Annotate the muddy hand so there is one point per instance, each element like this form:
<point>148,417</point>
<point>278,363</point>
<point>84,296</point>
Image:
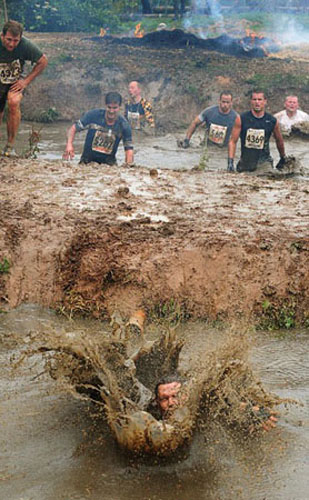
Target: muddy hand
<point>185,143</point>
<point>281,163</point>
<point>230,165</point>
<point>68,154</point>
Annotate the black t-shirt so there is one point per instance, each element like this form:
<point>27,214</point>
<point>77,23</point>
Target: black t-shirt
<point>255,135</point>
<point>102,140</point>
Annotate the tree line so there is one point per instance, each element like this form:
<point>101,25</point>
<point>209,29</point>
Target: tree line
<point>91,15</point>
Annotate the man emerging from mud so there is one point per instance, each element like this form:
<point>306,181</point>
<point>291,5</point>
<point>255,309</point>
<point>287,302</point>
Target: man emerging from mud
<point>169,397</point>
<point>106,128</point>
<point>255,128</point>
<point>219,122</point>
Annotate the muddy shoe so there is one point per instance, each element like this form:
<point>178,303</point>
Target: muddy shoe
<point>9,152</point>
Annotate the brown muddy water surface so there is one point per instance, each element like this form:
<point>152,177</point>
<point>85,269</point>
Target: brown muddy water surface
<point>53,447</point>
<point>152,152</point>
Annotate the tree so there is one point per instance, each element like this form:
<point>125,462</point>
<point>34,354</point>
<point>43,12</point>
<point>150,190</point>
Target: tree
<point>146,7</point>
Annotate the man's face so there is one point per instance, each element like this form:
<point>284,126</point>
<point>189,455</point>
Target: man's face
<point>291,104</point>
<point>225,103</point>
<point>167,396</point>
<point>10,41</point>
<point>134,89</point>
<point>112,110</point>
<point>258,102</point>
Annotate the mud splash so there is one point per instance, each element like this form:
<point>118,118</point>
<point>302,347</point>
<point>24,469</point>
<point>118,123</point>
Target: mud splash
<point>119,376</point>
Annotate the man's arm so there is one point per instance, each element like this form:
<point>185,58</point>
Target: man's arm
<point>37,69</point>
<point>129,156</point>
<point>234,137</point>
<point>279,140</point>
<point>232,143</point>
<point>69,149</point>
<point>192,127</point>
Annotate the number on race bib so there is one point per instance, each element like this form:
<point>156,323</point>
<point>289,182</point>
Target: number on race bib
<point>255,138</point>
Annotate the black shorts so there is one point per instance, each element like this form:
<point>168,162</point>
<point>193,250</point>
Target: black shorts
<point>4,90</point>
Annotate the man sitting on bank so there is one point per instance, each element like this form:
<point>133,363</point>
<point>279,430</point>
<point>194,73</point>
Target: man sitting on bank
<point>106,128</point>
<point>219,122</point>
<point>291,115</point>
<point>255,128</point>
<point>138,111</point>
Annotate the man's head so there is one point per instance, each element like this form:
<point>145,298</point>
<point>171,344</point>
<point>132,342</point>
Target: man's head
<point>166,392</point>
<point>291,104</point>
<point>225,102</point>
<point>258,101</point>
<point>135,91</point>
<point>11,35</point>
<point>113,102</point>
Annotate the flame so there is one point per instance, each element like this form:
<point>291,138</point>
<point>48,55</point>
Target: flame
<point>253,35</point>
<point>102,32</point>
<point>139,33</point>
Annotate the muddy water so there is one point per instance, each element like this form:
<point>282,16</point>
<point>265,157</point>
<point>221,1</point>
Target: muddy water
<point>52,447</point>
<point>152,152</point>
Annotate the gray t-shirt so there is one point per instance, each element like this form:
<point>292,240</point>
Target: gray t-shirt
<point>219,124</point>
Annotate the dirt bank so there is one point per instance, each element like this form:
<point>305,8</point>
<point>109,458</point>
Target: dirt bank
<point>179,81</point>
<point>211,245</point>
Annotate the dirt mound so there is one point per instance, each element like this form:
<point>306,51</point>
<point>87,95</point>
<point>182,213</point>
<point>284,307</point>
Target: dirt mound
<point>178,39</point>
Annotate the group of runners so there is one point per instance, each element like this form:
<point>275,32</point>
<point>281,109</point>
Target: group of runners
<point>107,127</point>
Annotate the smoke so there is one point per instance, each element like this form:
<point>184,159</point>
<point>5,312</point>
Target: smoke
<point>206,19</point>
<point>208,8</point>
<point>289,30</point>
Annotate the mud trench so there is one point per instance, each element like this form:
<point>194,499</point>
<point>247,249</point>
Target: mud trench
<point>57,446</point>
<point>183,245</point>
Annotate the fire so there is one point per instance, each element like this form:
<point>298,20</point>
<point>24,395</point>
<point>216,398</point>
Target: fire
<point>253,35</point>
<point>102,32</point>
<point>139,33</point>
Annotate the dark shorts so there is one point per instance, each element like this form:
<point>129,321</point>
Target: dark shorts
<point>4,90</point>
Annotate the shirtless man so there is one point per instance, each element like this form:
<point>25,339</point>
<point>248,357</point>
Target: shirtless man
<point>255,128</point>
<point>15,50</point>
<point>291,115</point>
<point>219,121</point>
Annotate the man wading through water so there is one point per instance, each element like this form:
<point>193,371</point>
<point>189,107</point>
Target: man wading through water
<point>219,122</point>
<point>255,128</point>
<point>15,50</point>
<point>106,128</point>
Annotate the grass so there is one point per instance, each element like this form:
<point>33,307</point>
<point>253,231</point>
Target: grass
<point>4,266</point>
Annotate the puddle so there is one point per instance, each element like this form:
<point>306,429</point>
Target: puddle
<point>53,447</point>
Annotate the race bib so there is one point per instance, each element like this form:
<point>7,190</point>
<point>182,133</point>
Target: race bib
<point>103,142</point>
<point>135,120</point>
<point>217,133</point>
<point>10,72</point>
<point>255,138</point>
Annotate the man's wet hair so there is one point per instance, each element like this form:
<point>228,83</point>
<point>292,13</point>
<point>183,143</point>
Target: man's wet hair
<point>258,91</point>
<point>168,379</point>
<point>226,92</point>
<point>13,27</point>
<point>113,97</point>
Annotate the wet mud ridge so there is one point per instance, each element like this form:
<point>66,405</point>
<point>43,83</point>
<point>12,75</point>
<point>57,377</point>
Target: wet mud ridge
<point>93,239</point>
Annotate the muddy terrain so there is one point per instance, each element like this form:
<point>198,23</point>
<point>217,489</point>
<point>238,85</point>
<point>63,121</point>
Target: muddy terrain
<point>90,239</point>
<point>93,239</point>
